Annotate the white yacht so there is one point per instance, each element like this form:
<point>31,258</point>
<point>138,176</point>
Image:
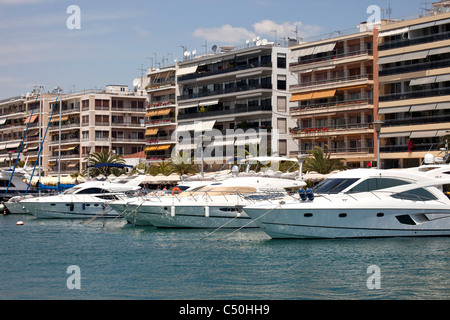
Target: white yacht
<point>363,203</point>
<point>212,205</point>
<point>86,200</point>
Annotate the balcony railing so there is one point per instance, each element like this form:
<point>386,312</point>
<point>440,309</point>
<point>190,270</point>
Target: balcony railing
<point>416,94</point>
<point>325,107</point>
<point>209,93</point>
<point>212,113</point>
<point>325,130</point>
<point>127,124</point>
<point>416,147</point>
<point>415,67</point>
<point>416,121</point>
<point>387,45</point>
<point>224,70</point>
<point>332,57</point>
<point>327,82</point>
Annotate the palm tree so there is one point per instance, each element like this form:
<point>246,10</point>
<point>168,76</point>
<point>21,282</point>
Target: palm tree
<point>321,162</point>
<point>163,167</point>
<point>106,157</point>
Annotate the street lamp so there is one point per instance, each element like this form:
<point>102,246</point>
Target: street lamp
<point>377,124</point>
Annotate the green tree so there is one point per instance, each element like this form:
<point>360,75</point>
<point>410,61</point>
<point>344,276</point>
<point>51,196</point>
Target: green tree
<point>163,167</point>
<point>321,162</point>
<point>105,157</point>
<point>181,168</point>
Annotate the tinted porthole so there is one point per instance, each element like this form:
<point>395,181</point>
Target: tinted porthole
<point>342,215</point>
<point>380,215</point>
<point>308,215</point>
<point>165,208</point>
<point>53,204</point>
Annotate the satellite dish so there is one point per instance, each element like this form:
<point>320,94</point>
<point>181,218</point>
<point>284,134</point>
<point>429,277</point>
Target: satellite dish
<point>247,41</point>
<point>194,52</point>
<point>136,82</point>
<point>258,43</point>
<point>214,48</point>
<point>258,37</point>
<point>264,42</point>
<point>187,53</point>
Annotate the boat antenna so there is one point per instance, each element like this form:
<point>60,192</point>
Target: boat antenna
<point>42,144</point>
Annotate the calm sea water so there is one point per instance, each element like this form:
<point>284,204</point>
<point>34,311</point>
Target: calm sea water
<point>120,261</point>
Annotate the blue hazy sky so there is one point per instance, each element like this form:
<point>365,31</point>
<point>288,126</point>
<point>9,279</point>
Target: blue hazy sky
<point>117,38</point>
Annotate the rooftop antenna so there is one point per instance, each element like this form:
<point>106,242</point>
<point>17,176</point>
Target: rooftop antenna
<point>214,48</point>
<point>389,11</point>
<point>151,60</point>
<point>426,3</point>
<point>206,46</point>
<point>142,71</point>
<point>184,51</point>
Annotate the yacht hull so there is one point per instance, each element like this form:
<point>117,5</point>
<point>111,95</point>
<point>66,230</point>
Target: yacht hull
<point>71,210</point>
<point>190,216</point>
<point>351,223</point>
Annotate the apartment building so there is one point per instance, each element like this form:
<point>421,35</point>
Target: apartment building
<point>13,115</point>
<point>161,115</point>
<point>73,125</point>
<point>332,98</point>
<point>414,98</point>
<point>235,92</point>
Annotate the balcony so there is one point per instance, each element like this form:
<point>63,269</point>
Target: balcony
<point>161,86</point>
<point>161,123</point>
<point>225,70</point>
<point>129,140</point>
<point>128,125</point>
<point>416,121</point>
<point>357,128</point>
<point>235,111</point>
<point>400,43</point>
<point>424,147</point>
<point>416,94</point>
<point>162,104</point>
<point>336,106</point>
<point>209,93</point>
<point>362,79</point>
<point>332,59</point>
<point>438,64</point>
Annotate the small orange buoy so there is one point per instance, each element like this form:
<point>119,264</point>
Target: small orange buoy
<point>19,223</point>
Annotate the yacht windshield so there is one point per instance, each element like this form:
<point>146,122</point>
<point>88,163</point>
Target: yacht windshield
<point>331,186</point>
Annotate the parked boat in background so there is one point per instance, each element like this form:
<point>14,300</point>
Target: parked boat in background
<point>86,200</point>
<point>363,203</point>
<point>213,204</point>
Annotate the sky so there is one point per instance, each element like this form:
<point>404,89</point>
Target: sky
<point>49,43</point>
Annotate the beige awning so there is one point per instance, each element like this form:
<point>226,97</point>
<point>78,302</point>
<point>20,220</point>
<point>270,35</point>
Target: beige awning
<point>151,132</point>
<point>300,97</point>
<point>324,94</point>
<point>151,113</point>
<point>163,112</point>
<point>62,119</point>
<point>30,119</point>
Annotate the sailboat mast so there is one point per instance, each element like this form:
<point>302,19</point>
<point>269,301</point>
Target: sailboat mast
<point>59,149</point>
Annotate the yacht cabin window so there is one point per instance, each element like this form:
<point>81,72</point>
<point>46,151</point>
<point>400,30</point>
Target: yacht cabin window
<point>419,194</point>
<point>332,186</point>
<point>372,184</point>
